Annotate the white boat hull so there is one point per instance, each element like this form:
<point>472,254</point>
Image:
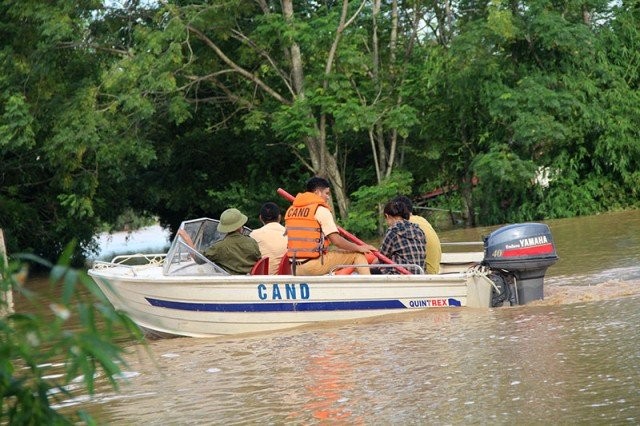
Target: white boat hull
<point>183,293</point>
<point>206,306</point>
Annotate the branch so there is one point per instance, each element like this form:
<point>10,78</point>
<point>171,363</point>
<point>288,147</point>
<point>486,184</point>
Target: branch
<point>222,123</point>
<point>341,27</point>
<point>238,69</point>
<point>194,79</point>
<point>216,99</point>
<point>121,52</point>
<point>264,6</point>
<point>243,38</point>
<point>374,150</point>
<point>304,161</point>
<point>228,94</point>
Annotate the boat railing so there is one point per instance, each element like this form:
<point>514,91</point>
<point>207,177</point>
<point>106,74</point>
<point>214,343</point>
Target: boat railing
<point>132,261</point>
<point>411,267</point>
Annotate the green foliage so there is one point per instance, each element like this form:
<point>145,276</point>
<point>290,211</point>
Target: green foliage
<point>62,150</point>
<point>500,20</point>
<point>365,213</point>
<point>106,109</point>
<point>525,90</point>
<point>80,332</point>
<point>295,122</point>
<point>506,177</point>
<point>16,129</point>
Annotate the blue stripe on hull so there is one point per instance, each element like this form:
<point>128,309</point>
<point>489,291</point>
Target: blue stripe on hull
<point>279,307</point>
<point>284,306</point>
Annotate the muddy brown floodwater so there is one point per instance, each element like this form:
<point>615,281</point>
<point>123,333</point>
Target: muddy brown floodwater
<point>573,358</point>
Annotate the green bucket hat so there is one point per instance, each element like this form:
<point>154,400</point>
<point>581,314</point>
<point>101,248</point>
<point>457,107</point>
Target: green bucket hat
<point>230,220</point>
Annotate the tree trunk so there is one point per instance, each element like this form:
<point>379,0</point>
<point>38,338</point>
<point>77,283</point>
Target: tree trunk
<point>467,198</point>
<point>297,71</point>
<point>323,163</point>
<point>6,305</point>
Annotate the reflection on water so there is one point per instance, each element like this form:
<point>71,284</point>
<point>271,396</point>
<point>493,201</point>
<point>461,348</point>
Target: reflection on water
<point>595,245</point>
<point>575,363</point>
<point>573,358</point>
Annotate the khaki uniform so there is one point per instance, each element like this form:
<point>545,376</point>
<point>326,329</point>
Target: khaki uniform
<point>272,241</point>
<point>434,250</point>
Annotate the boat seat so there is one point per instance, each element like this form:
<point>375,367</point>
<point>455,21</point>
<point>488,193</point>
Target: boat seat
<point>261,267</point>
<point>285,266</point>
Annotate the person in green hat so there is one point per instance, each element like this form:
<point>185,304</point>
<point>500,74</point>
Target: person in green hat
<point>236,253</point>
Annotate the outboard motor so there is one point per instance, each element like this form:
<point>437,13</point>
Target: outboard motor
<point>519,256</point>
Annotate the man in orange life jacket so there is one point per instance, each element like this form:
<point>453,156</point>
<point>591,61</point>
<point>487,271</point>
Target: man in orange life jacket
<point>311,228</point>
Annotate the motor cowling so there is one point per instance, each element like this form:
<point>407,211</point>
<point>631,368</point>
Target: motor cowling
<point>525,251</point>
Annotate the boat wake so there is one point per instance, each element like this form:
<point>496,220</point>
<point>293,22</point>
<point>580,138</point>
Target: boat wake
<point>568,294</point>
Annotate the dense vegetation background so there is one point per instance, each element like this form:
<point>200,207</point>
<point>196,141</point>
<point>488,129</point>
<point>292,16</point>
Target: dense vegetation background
<point>180,109</point>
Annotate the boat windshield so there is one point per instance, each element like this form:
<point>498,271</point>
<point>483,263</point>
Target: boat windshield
<point>184,258</point>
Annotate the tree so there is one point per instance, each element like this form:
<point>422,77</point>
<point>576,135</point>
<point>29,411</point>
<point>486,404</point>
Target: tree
<point>158,107</point>
<point>526,92</point>
<point>58,142</point>
<point>561,111</point>
<point>198,173</point>
<point>308,75</point>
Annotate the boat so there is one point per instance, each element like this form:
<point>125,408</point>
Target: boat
<point>182,293</point>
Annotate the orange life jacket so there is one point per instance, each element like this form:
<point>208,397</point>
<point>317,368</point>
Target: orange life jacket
<point>304,234</point>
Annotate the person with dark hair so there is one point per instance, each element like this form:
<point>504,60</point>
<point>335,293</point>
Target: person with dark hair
<point>404,242</point>
<point>311,228</point>
<point>434,250</point>
<point>271,237</point>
